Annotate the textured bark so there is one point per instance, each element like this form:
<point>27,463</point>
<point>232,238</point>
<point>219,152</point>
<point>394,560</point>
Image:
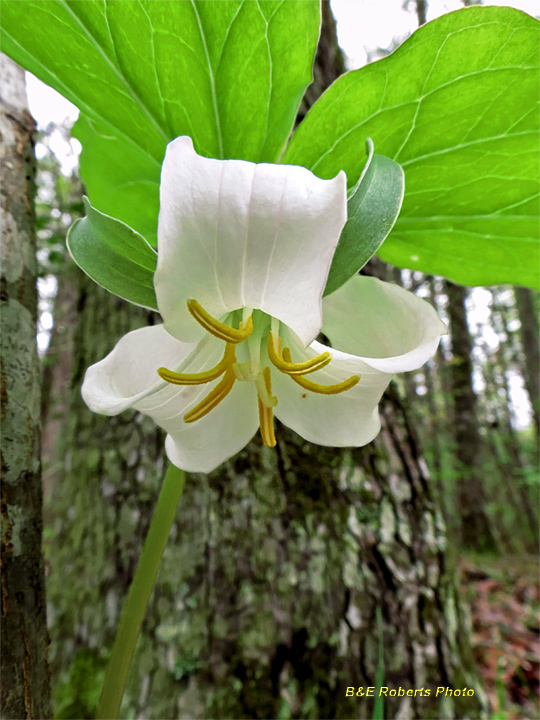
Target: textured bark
<point>24,644</point>
<point>511,458</point>
<point>267,600</point>
<point>529,336</point>
<point>475,529</point>
<point>101,505</point>
<point>421,11</point>
<point>433,400</point>
<point>329,61</point>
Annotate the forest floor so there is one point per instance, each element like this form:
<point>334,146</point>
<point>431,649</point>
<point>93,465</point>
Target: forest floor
<point>505,598</point>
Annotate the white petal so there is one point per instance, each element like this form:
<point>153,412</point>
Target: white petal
<point>388,327</point>
<point>129,372</point>
<point>203,445</point>
<point>350,419</point>
<point>126,378</point>
<point>235,234</point>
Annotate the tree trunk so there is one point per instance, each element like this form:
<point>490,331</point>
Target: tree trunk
<point>24,644</point>
<point>475,529</point>
<point>287,568</point>
<point>529,337</point>
<point>101,506</point>
<point>511,457</point>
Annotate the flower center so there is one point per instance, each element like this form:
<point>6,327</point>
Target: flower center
<point>250,339</point>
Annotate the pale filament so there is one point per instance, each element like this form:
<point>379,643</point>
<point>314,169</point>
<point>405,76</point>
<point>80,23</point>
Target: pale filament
<point>266,415</point>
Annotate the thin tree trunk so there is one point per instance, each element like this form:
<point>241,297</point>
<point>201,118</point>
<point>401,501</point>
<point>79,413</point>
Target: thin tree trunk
<point>24,644</point>
<point>529,336</point>
<point>433,390</point>
<point>421,11</point>
<point>506,355</point>
<point>470,499</point>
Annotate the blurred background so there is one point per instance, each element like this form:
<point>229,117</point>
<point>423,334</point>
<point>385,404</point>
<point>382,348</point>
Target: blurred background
<point>292,576</point>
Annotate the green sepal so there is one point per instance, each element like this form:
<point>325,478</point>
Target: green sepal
<point>372,210</point>
<point>115,256</point>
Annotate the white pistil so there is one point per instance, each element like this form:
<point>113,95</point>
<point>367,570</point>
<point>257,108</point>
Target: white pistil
<point>243,371</point>
<point>267,400</point>
<point>274,329</point>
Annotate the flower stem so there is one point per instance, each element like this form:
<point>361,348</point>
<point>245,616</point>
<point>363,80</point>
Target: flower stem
<point>139,593</point>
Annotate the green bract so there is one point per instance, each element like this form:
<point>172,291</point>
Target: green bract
<point>372,211</point>
<point>114,256</point>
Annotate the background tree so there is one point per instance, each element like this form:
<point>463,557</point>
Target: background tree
<point>24,646</point>
<point>470,498</point>
<point>529,332</point>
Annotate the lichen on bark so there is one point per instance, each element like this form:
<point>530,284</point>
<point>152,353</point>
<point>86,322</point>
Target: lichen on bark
<point>24,643</point>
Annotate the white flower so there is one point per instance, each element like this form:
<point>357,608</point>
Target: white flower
<point>244,252</point>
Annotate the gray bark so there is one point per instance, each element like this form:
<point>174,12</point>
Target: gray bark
<point>529,336</point>
<point>470,498</point>
<point>421,11</point>
<point>24,643</point>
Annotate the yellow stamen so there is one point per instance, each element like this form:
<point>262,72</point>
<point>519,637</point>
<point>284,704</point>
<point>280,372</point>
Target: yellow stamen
<point>317,387</point>
<point>290,368</point>
<point>203,377</point>
<point>219,329</point>
<point>266,415</point>
<point>266,421</point>
<point>212,400</point>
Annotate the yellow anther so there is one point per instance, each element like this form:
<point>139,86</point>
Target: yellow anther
<point>219,329</point>
<point>175,378</point>
<point>317,387</point>
<point>266,421</point>
<point>266,415</point>
<point>290,368</point>
<point>212,400</point>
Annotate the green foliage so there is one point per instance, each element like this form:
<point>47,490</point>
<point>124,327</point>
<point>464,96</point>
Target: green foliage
<point>155,70</point>
<point>78,694</point>
<point>121,179</point>
<point>457,106</point>
<point>230,75</point>
<point>114,256</point>
<point>372,211</point>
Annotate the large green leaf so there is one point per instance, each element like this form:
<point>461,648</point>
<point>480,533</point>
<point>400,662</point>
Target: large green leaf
<point>371,213</point>
<point>121,179</point>
<point>115,256</point>
<point>229,74</point>
<point>457,106</point>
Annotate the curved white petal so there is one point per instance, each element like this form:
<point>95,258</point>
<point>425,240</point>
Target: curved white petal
<point>386,326</point>
<point>203,445</point>
<point>129,372</point>
<point>350,419</point>
<point>127,378</point>
<point>234,234</point>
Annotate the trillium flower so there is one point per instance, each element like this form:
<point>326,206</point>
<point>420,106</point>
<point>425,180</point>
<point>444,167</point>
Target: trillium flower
<point>244,251</point>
